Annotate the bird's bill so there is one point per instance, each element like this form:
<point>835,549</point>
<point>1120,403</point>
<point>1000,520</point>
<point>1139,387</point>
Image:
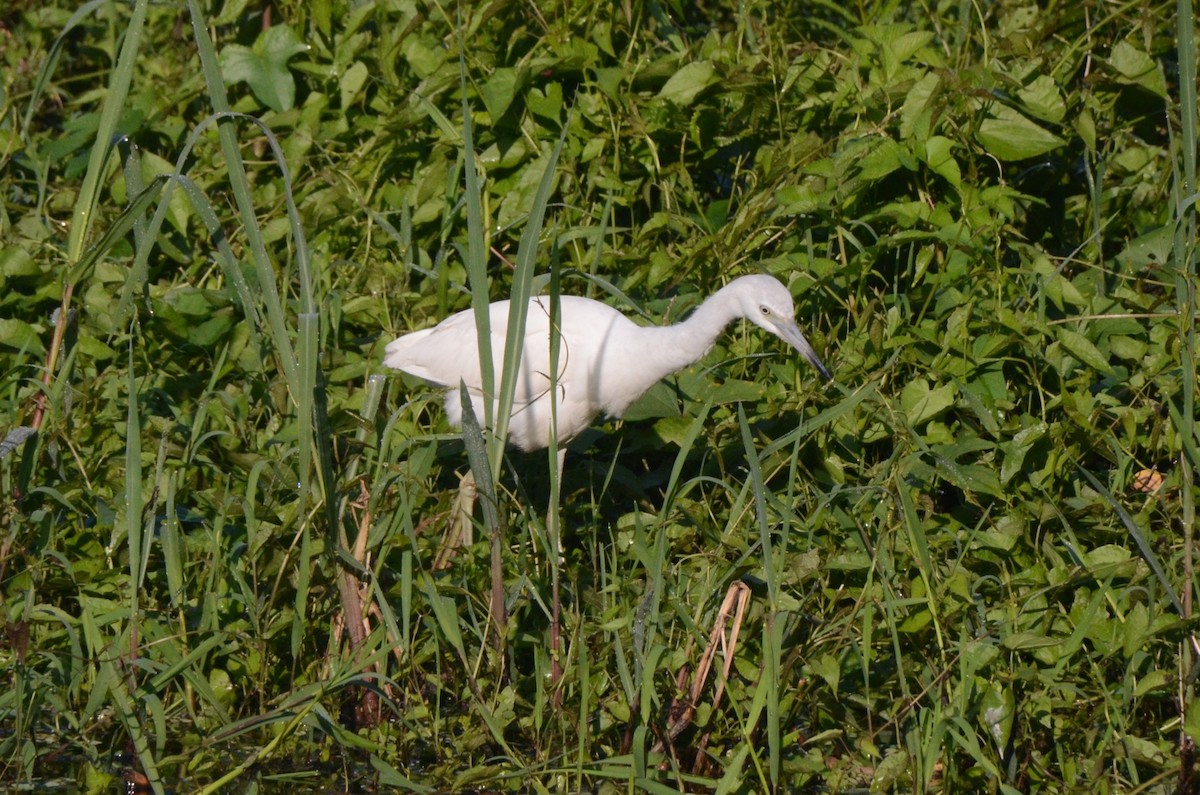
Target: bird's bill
<point>790,334</point>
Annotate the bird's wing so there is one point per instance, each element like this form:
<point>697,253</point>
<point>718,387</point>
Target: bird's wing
<point>533,380</point>
<point>449,352</point>
<point>442,355</point>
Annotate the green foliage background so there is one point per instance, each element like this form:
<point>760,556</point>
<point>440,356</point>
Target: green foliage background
<point>960,577</point>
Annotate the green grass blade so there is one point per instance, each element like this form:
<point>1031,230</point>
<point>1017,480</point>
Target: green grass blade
<point>307,346</point>
<point>773,627</point>
<point>1186,46</point>
<point>1139,538</point>
<point>300,601</point>
<point>134,505</point>
<point>208,216</point>
<point>485,486</point>
<point>476,258</point>
<point>172,547</point>
<point>527,253</point>
<point>116,232</point>
<point>129,717</point>
<point>920,545</point>
<point>110,113</point>
<point>51,61</point>
<point>1184,257</point>
<point>240,185</point>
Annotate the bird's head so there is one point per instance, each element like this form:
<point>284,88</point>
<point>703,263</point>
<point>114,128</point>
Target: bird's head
<point>764,301</point>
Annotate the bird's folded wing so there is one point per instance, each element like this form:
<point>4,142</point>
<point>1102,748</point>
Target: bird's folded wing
<point>448,352</point>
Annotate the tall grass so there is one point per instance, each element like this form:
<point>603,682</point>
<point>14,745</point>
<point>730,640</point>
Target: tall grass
<point>944,573</point>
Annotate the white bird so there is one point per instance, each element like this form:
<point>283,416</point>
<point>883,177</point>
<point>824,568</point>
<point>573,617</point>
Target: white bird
<point>606,361</point>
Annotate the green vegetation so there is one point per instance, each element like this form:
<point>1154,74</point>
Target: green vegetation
<point>965,566</point>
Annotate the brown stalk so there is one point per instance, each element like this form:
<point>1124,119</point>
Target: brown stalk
<point>350,588</point>
<point>60,331</point>
<point>732,613</point>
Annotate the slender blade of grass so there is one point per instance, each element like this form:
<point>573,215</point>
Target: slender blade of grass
<point>128,716</point>
<point>1184,256</point>
<point>477,456</point>
<point>1139,538</point>
<point>476,261</point>
<point>172,550</point>
<point>116,232</point>
<point>240,185</point>
<point>527,252</point>
<point>773,627</point>
<point>133,484</point>
<point>110,113</point>
<point>307,345</point>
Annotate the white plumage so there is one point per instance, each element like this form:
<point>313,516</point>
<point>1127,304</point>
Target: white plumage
<point>606,361</point>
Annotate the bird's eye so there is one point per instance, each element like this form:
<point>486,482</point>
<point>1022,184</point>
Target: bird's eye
<point>766,310</point>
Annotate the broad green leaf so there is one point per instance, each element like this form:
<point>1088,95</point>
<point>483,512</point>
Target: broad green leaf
<point>735,391</point>
<point>546,103</point>
<point>922,403</point>
<point>1084,350</point>
<point>689,81</point>
<point>1151,248</point>
<point>1143,750</point>
<point>1085,125</point>
<point>211,331</point>
<point>827,667</point>
<point>351,83</point>
<point>392,778</point>
<point>179,208</point>
<point>1137,624</point>
<point>609,80</point>
<point>231,11</point>
<point>498,92</point>
<point>18,334</point>
<point>916,622</point>
<point>884,158</point>
<point>1063,292</point>
<point>1111,560</point>
<point>659,401</point>
<point>1011,136</point>
<point>1191,721</point>
<point>798,199</point>
<point>970,477</point>
<point>1043,100</point>
<point>917,113</point>
<point>1136,67</point>
<point>518,198</point>
<point>1155,680</point>
<point>994,539</point>
<point>895,768</point>
<point>996,712</point>
<point>1128,348</point>
<point>1027,641</point>
<point>1016,449</point>
<point>425,57</point>
<point>16,261</point>
<point>907,44</point>
<point>939,156</point>
<point>94,348</point>
<point>264,66</point>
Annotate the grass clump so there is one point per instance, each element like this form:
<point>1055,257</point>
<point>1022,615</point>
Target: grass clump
<point>968,565</point>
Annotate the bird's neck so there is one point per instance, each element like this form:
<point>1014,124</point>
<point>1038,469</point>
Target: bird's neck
<point>685,343</point>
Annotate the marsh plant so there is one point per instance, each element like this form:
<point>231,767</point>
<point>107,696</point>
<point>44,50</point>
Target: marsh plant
<point>238,554</point>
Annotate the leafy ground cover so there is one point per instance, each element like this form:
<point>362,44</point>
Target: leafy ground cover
<point>966,565</point>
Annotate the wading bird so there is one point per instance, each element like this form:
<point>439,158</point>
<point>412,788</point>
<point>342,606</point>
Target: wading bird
<point>605,362</point>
